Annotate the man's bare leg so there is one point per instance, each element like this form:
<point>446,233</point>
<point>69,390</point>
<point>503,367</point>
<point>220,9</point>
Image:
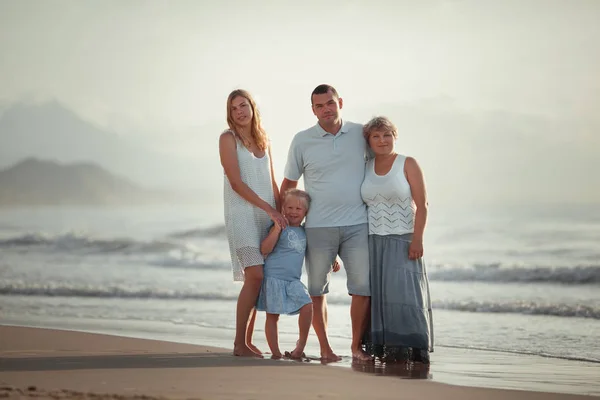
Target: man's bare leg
<point>250,332</point>
<point>359,312</point>
<point>319,322</point>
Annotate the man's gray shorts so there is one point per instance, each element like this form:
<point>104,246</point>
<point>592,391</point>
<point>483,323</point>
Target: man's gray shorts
<point>352,245</point>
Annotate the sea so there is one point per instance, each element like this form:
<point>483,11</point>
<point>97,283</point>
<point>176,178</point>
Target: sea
<point>518,282</point>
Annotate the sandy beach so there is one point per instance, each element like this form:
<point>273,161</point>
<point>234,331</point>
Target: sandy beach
<point>47,363</point>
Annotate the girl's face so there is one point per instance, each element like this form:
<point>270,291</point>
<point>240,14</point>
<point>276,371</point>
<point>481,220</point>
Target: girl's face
<point>294,209</point>
<point>381,142</point>
<point>241,111</point>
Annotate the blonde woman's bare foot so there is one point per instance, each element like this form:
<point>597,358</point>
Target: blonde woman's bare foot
<point>254,348</point>
<point>361,355</point>
<point>276,356</point>
<point>244,351</point>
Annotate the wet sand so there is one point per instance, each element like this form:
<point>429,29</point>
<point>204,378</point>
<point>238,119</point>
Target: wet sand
<point>67,364</point>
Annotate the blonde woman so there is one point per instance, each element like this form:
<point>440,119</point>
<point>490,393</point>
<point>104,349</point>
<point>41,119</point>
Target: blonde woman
<point>396,198</point>
<point>251,200</point>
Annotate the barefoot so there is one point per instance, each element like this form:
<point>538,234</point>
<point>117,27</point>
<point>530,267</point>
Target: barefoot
<point>329,356</point>
<point>276,356</point>
<point>295,354</point>
<point>360,355</point>
<point>254,349</point>
<point>244,351</point>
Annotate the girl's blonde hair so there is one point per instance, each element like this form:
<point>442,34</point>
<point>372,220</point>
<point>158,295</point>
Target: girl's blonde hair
<point>301,194</point>
<point>256,130</point>
<point>382,124</point>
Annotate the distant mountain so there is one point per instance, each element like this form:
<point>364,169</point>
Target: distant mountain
<point>34,182</point>
<point>52,131</point>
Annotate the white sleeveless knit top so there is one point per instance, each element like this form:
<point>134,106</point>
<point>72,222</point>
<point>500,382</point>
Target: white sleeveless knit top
<point>390,205</point>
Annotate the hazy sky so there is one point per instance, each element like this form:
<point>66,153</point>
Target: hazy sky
<point>161,67</point>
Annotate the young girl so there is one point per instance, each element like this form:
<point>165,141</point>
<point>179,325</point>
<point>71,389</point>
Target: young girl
<point>282,292</point>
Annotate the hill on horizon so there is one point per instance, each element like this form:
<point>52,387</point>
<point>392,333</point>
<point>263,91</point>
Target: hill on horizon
<point>36,182</point>
<point>51,130</point>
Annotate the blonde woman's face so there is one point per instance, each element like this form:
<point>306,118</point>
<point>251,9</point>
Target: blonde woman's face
<point>381,142</point>
<point>241,111</point>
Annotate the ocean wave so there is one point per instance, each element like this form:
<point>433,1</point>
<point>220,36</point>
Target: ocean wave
<point>528,308</point>
<point>214,231</point>
<point>188,261</point>
<point>124,292</point>
<point>498,273</point>
<point>76,242</point>
<point>117,292</point>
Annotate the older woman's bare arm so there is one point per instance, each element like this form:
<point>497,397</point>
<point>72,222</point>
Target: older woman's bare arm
<point>414,175</point>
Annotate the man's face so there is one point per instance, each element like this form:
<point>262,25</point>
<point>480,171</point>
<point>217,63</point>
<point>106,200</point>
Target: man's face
<point>326,107</point>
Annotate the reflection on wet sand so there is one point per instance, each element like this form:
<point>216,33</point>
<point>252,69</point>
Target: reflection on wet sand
<point>401,370</point>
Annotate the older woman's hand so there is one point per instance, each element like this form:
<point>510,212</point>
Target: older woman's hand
<point>415,250</point>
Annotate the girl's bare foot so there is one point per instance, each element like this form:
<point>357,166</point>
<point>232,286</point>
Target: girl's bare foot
<point>244,351</point>
<point>276,356</point>
<point>254,348</point>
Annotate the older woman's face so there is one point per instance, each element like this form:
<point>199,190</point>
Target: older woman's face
<point>381,142</point>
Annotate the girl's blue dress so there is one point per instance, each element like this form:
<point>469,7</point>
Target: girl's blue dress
<point>282,292</point>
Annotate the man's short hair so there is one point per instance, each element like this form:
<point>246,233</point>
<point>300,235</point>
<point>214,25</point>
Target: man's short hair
<point>322,89</point>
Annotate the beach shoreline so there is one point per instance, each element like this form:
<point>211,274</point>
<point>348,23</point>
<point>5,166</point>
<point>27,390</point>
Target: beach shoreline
<point>74,364</point>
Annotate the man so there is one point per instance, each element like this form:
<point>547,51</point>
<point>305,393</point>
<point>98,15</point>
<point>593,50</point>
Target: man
<point>331,156</point>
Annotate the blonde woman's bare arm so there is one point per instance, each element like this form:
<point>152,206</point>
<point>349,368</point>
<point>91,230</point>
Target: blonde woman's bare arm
<point>229,161</point>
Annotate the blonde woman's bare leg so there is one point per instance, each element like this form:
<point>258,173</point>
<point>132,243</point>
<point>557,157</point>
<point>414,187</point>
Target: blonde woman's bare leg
<point>250,332</point>
<point>253,277</point>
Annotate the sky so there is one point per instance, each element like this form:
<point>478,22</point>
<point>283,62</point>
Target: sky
<point>450,73</point>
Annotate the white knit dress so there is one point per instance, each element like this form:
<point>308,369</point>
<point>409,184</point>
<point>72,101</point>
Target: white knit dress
<point>246,224</point>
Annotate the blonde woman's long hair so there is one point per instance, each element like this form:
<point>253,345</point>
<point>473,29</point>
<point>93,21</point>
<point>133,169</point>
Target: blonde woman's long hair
<point>256,130</point>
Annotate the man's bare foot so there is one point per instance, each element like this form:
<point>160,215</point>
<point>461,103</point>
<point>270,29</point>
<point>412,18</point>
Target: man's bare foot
<point>329,356</point>
<point>360,355</point>
<point>245,351</point>
<point>254,348</point>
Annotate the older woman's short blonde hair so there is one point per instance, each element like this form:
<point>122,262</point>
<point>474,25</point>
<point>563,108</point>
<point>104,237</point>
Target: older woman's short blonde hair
<point>382,124</point>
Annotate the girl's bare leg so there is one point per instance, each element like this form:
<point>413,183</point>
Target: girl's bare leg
<point>250,332</point>
<point>304,321</point>
<point>253,277</point>
<point>272,334</point>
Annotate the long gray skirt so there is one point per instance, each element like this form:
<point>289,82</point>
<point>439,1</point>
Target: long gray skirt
<point>401,316</point>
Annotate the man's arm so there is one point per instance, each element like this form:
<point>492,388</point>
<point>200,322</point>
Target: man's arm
<point>286,185</point>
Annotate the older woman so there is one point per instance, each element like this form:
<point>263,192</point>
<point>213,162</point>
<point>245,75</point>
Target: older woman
<point>394,191</point>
